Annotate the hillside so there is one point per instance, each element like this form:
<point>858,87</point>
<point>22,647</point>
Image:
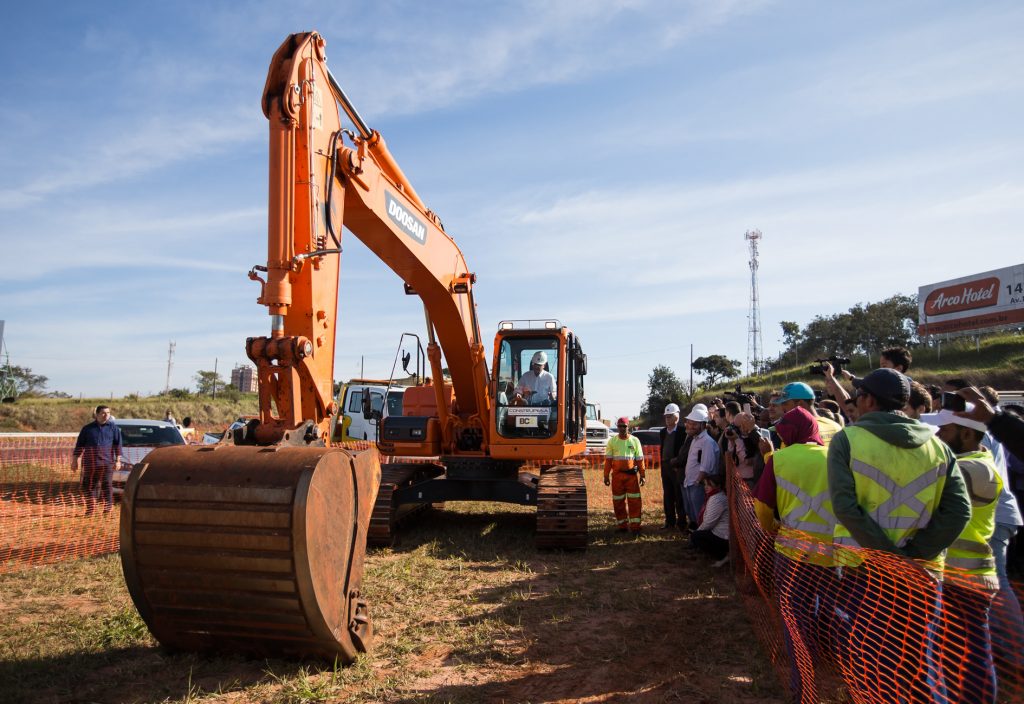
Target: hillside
<point>998,361</point>
<point>47,415</point>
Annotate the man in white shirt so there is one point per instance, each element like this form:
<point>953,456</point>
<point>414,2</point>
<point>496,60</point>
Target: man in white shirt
<point>701,460</point>
<point>536,386</point>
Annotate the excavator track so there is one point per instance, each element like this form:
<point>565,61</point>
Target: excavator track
<point>562,508</point>
<point>387,514</point>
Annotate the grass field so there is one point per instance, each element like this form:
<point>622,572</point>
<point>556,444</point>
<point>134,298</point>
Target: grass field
<point>466,610</point>
<point>997,360</point>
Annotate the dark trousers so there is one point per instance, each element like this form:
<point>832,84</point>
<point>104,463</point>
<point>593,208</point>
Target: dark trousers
<point>805,594</point>
<point>883,638</point>
<point>967,627</point>
<point>672,500</point>
<point>709,543</point>
<point>97,485</point>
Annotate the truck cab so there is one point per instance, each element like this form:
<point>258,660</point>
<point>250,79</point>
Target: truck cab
<point>355,423</point>
<point>597,432</point>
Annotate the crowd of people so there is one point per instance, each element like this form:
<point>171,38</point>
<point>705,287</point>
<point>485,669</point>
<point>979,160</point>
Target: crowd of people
<point>929,475</point>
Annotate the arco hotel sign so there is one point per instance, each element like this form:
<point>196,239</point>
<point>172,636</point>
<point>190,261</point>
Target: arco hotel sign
<point>993,299</point>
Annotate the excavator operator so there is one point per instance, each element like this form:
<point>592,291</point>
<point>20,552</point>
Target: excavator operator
<point>537,386</point>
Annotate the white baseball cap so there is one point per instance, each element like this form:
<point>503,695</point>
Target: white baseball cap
<point>947,417</point>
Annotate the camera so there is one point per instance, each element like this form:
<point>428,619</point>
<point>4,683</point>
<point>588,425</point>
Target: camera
<point>739,395</point>
<point>837,362</point>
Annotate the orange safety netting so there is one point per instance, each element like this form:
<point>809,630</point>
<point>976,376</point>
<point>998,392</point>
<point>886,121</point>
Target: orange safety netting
<point>880,627</point>
<point>43,508</point>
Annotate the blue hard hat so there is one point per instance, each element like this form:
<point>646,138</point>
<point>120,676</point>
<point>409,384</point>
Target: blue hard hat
<point>797,391</point>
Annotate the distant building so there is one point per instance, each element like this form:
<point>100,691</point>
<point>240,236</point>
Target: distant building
<point>243,378</point>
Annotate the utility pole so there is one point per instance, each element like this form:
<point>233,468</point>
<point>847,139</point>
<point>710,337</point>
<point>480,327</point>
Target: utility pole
<point>215,377</point>
<point>170,366</point>
<point>691,369</point>
<point>755,345</point>
<point>362,374</point>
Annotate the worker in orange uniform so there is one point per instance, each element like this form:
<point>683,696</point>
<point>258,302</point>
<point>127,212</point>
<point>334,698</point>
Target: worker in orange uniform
<point>624,470</point>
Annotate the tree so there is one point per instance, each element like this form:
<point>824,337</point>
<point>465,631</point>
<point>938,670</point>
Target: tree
<point>716,367</point>
<point>863,329</point>
<point>663,388</point>
<point>208,382</point>
<point>791,337</point>
<point>26,383</point>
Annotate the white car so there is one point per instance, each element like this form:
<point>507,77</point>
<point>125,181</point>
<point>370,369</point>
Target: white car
<point>139,438</point>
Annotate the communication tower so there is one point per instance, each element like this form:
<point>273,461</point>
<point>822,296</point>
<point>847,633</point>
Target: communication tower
<point>8,386</point>
<point>170,366</point>
<point>755,345</point>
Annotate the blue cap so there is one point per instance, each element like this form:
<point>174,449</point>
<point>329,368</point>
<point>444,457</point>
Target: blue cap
<point>797,391</point>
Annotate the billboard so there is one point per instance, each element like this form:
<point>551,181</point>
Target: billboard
<point>992,299</point>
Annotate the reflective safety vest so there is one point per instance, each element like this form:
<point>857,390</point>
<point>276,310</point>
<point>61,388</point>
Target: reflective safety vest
<point>624,455</point>
<point>827,429</point>
<point>805,508</point>
<point>899,488</point>
<point>971,552</point>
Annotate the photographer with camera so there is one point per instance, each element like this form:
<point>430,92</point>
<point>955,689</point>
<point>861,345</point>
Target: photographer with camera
<point>741,447</point>
<point>825,368</point>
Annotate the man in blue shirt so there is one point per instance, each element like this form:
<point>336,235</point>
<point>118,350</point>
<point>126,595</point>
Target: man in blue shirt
<point>99,446</point>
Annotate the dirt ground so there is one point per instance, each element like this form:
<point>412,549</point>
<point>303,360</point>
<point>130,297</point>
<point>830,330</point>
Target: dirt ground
<point>465,609</point>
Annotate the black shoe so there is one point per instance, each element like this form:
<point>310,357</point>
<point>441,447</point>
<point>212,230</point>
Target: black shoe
<point>668,526</point>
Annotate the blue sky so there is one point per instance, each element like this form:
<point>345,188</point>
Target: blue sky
<point>598,162</point>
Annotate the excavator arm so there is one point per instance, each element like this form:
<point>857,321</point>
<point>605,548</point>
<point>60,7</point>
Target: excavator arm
<point>317,185</point>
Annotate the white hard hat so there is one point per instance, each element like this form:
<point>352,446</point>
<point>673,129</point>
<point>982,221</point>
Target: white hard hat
<point>698,414</point>
<point>539,358</point>
<point>701,406</point>
<point>671,410</point>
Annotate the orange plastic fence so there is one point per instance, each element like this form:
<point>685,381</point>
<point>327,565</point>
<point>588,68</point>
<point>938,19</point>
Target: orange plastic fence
<point>879,627</point>
<point>42,506</point>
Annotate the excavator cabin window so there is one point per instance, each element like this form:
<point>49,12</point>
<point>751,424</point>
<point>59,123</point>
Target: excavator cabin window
<point>527,400</point>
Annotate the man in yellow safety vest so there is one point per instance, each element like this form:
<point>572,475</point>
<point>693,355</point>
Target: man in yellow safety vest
<point>895,488</point>
<point>795,485</point>
<point>971,581</point>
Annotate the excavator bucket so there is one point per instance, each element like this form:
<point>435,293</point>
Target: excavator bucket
<point>257,550</point>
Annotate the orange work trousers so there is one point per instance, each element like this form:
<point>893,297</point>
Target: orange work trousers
<point>626,492</point>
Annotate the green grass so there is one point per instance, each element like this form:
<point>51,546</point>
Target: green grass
<point>50,415</point>
<point>998,361</point>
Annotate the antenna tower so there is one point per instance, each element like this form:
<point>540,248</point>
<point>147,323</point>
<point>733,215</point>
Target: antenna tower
<point>755,345</point>
<point>8,387</point>
<point>170,366</point>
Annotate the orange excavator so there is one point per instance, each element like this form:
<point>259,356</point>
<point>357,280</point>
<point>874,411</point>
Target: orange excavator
<point>256,544</point>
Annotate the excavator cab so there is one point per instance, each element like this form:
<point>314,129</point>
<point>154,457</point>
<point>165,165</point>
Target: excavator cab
<point>538,410</point>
